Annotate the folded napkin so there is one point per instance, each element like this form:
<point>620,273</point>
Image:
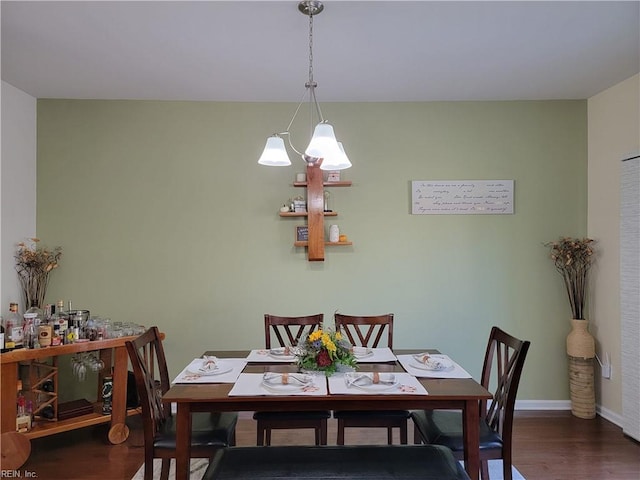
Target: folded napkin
<point>274,378</point>
<point>433,362</point>
<point>361,351</point>
<point>286,351</point>
<point>369,378</point>
<point>209,364</point>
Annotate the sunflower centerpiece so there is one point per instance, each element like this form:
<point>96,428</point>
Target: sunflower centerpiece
<point>326,351</point>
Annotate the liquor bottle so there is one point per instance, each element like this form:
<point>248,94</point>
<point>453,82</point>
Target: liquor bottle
<point>60,318</point>
<point>23,421</point>
<point>49,310</point>
<point>30,413</point>
<point>55,336</point>
<point>29,333</point>
<point>15,326</point>
<point>9,344</point>
<point>107,392</point>
<point>2,349</point>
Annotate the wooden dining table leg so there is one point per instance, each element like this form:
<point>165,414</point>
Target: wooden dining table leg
<point>471,437</point>
<point>183,441</point>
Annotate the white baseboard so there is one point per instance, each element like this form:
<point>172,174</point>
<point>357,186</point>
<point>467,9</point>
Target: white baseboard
<point>605,413</point>
<point>543,405</point>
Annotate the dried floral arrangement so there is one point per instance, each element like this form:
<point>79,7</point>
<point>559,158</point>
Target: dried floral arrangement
<point>34,264</point>
<point>573,258</point>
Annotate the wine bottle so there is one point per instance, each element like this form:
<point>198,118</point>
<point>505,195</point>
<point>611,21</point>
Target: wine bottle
<point>2,349</point>
<point>15,327</point>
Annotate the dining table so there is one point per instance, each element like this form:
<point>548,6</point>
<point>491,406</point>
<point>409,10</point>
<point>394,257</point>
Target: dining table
<point>207,394</point>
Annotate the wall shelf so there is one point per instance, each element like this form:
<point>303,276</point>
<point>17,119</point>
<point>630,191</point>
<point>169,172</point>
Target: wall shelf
<point>305,214</point>
<point>315,213</point>
<point>342,183</point>
<point>305,244</point>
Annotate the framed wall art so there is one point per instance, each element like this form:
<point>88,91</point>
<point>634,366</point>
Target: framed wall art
<point>466,197</point>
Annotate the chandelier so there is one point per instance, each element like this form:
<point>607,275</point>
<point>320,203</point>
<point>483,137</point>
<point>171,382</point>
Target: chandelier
<point>323,149</point>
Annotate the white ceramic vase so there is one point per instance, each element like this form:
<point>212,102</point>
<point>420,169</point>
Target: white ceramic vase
<point>334,233</point>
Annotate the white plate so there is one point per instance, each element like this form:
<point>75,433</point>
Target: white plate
<point>374,387</point>
<point>361,352</point>
<point>279,353</point>
<point>275,385</point>
<point>377,387</point>
<point>282,388</point>
<point>221,367</point>
<point>447,365</point>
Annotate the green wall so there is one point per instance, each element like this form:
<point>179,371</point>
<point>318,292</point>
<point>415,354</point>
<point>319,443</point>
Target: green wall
<point>166,219</point>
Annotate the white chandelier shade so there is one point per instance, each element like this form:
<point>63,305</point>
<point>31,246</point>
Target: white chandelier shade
<point>275,153</point>
<point>340,162</point>
<point>323,144</point>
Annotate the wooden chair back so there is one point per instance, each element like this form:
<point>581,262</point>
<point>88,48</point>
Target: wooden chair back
<point>366,331</point>
<point>288,331</point>
<point>502,368</point>
<point>152,380</point>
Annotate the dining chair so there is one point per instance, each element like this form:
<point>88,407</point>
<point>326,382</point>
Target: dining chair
<point>288,331</point>
<point>369,331</point>
<point>210,431</point>
<point>502,368</point>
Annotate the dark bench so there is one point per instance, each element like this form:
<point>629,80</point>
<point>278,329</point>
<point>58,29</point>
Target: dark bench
<point>416,462</point>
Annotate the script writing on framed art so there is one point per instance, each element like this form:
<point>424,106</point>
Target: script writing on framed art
<point>466,197</point>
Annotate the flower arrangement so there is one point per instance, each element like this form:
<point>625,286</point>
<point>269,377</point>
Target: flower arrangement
<point>573,258</point>
<point>324,350</point>
<point>34,265</point>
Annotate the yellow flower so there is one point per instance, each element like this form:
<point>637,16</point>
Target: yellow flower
<point>331,347</point>
<point>338,336</point>
<point>315,335</point>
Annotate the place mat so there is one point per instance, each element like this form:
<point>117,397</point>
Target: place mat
<point>250,385</point>
<point>412,366</point>
<point>230,370</point>
<point>407,384</point>
<point>377,355</point>
<point>265,356</point>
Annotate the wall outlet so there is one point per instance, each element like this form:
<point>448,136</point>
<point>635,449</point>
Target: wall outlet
<point>605,367</point>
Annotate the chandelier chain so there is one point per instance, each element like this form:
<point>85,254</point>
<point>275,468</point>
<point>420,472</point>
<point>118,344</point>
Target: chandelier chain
<point>310,50</point>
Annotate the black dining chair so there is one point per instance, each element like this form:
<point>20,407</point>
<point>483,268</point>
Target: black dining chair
<point>288,331</point>
<point>369,331</point>
<point>210,431</point>
<point>503,363</point>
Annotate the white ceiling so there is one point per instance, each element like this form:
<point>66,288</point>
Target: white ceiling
<point>363,51</point>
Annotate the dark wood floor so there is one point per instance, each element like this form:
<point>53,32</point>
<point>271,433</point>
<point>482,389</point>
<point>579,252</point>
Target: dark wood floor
<point>548,446</point>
